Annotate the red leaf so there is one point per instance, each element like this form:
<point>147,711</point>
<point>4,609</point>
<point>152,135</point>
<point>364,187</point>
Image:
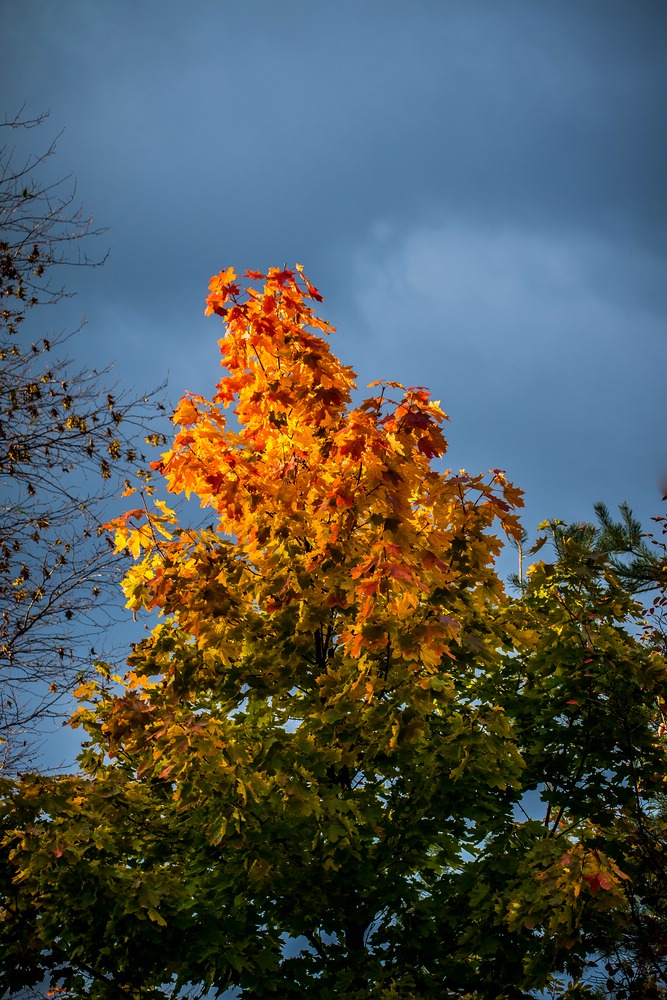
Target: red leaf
<point>284,277</point>
<point>132,514</point>
<point>500,504</point>
<point>416,418</point>
<point>593,882</point>
<point>400,573</point>
<point>215,481</point>
<point>426,447</point>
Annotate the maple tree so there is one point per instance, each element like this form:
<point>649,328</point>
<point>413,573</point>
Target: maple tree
<point>344,762</point>
<point>67,440</point>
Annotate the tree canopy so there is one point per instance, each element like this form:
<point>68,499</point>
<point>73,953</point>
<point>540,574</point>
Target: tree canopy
<point>345,762</point>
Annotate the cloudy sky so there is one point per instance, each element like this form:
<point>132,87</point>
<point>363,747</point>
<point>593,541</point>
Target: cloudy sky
<point>477,187</point>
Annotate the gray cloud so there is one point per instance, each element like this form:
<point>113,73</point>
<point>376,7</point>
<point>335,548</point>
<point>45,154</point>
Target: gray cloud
<point>542,347</point>
<point>478,190</point>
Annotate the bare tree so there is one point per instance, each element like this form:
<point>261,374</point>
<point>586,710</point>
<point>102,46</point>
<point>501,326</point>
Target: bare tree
<point>68,440</point>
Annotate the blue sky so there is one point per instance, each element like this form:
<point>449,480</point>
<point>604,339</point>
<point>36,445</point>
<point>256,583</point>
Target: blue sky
<point>477,188</point>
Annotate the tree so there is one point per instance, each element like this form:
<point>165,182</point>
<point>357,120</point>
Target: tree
<point>640,566</point>
<point>638,963</point>
<point>67,439</point>
<point>344,763</point>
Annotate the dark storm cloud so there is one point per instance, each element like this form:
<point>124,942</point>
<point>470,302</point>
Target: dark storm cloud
<point>478,188</point>
<point>326,116</point>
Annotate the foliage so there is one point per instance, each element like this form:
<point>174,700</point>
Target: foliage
<point>639,565</point>
<point>67,440</point>
<point>344,763</point>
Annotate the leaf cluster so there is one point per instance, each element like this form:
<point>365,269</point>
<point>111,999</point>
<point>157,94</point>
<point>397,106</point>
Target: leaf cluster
<point>344,763</point>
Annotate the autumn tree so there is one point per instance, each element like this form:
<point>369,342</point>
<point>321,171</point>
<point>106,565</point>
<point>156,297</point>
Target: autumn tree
<point>345,763</point>
<point>67,439</point>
